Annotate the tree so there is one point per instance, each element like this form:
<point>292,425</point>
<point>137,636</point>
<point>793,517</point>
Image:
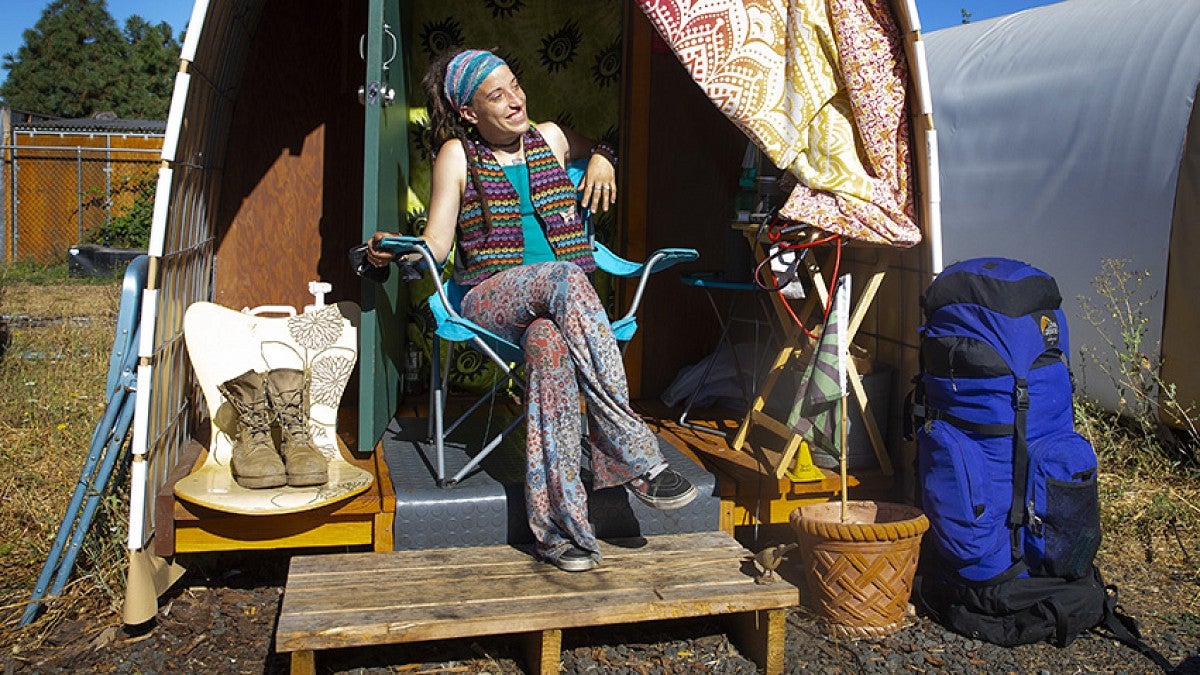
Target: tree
<point>153,60</point>
<point>75,62</point>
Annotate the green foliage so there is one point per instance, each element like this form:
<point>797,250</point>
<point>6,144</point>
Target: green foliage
<point>28,272</point>
<point>130,229</point>
<point>1152,432</point>
<point>75,62</point>
<point>43,274</point>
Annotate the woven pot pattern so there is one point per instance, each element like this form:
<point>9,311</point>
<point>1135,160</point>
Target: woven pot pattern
<point>859,574</point>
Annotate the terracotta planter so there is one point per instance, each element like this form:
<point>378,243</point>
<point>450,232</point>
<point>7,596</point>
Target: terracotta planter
<point>859,573</point>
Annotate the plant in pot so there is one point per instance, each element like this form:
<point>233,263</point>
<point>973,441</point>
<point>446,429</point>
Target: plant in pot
<point>859,557</point>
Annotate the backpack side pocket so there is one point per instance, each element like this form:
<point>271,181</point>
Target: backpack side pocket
<point>1062,534</point>
<point>954,493</point>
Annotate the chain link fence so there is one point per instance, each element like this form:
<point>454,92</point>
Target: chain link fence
<point>55,197</point>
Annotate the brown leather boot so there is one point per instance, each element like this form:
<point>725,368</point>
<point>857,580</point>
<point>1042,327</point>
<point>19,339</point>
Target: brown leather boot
<point>287,391</point>
<point>256,462</point>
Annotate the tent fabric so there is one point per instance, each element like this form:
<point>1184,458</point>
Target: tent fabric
<point>819,86</point>
<point>1061,129</point>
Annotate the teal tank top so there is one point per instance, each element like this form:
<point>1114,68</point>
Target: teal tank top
<point>537,246</point>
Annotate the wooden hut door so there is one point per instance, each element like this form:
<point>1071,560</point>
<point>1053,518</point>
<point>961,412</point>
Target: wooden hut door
<point>385,189</point>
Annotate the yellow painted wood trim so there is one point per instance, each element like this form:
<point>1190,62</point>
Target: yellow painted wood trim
<point>190,538</point>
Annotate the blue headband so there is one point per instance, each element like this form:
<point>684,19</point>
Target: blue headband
<point>466,72</point>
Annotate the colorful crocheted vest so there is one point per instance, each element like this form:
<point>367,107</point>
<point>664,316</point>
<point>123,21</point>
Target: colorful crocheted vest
<point>481,253</point>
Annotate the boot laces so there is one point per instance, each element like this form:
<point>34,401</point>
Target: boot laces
<point>258,424</point>
<point>291,413</point>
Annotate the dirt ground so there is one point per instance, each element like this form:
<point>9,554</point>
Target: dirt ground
<point>220,618</point>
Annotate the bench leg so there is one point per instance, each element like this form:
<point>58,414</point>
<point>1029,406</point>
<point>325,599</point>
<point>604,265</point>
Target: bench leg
<point>304,662</point>
<point>543,651</point>
<point>760,637</point>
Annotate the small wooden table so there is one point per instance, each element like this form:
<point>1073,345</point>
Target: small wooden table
<point>796,342</point>
<point>361,599</point>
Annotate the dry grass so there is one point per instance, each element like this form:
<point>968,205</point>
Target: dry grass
<point>52,380</point>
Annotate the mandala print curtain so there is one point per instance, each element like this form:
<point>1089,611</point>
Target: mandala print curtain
<point>819,86</point>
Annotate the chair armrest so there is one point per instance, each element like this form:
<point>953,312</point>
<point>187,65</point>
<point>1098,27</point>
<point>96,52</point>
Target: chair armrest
<point>405,244</point>
<point>659,260</point>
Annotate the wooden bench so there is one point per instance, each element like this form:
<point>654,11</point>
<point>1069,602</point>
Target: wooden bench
<point>360,599</point>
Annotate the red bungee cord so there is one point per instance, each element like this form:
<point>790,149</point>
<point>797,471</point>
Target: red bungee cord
<point>775,232</point>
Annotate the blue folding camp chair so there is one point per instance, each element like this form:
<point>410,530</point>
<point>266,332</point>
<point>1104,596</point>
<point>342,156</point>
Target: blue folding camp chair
<point>509,357</point>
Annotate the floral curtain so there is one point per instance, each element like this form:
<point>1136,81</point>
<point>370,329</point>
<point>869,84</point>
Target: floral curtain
<point>819,86</point>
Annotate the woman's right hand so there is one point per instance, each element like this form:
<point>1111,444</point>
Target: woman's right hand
<point>375,256</point>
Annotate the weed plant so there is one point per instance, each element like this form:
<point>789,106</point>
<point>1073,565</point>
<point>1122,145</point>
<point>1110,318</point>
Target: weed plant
<point>52,380</point>
<point>1148,446</point>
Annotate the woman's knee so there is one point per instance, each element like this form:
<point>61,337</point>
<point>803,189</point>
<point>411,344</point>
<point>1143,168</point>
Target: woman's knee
<point>544,345</point>
<point>571,285</point>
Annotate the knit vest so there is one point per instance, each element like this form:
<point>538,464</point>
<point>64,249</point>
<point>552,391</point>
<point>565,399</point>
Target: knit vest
<point>482,253</point>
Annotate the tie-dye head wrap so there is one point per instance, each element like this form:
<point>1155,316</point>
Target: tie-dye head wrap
<point>466,72</point>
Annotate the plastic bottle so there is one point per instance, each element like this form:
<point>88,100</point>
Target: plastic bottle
<point>747,196</point>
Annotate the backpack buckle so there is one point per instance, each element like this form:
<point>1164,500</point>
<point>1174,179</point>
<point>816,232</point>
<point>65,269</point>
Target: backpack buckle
<point>1035,521</point>
<point>1021,396</point>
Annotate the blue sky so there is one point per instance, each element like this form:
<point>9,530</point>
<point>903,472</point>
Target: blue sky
<point>19,15</point>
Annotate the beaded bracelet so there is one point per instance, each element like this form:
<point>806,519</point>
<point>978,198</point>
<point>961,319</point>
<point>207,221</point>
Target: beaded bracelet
<point>606,151</point>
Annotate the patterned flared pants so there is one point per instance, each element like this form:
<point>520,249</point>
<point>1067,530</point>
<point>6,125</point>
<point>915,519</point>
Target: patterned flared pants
<point>553,311</point>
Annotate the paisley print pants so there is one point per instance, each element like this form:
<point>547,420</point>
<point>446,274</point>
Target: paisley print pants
<point>552,310</point>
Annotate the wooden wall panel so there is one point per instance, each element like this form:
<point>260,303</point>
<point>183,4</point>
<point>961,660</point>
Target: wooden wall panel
<point>292,187</point>
<point>694,161</point>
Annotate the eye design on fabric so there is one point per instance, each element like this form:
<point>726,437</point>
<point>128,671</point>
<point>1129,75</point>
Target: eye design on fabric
<point>469,362</point>
<point>418,132</point>
<point>504,8</point>
<point>559,48</point>
<point>606,67</point>
<point>438,36</point>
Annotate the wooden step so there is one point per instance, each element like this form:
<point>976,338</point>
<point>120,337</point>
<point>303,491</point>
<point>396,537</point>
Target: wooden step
<point>361,599</point>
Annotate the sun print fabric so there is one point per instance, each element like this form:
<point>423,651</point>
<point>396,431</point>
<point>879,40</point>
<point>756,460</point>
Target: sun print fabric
<point>819,86</point>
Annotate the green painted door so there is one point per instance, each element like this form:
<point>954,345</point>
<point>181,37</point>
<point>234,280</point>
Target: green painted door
<point>385,190</point>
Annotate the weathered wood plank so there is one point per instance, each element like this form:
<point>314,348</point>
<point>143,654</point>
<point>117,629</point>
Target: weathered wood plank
<point>348,626</point>
<point>425,595</point>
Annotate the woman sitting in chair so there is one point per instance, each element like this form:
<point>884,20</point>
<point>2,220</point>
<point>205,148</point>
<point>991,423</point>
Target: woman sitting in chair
<point>501,194</point>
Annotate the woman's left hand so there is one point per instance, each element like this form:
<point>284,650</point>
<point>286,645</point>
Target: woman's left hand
<point>599,186</point>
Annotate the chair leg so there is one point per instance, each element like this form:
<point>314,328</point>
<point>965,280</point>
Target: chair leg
<point>723,339</point>
<point>438,398</point>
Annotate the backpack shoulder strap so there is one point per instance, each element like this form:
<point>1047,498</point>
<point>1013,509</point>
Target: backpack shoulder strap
<point>1016,509</point>
<point>1124,628</point>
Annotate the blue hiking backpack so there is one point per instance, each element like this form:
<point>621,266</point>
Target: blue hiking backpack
<point>1009,487</point>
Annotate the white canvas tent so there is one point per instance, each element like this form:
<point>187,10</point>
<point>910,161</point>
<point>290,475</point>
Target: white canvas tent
<point>1069,134</point>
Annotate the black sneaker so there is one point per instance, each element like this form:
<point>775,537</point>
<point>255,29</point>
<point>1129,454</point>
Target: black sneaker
<point>575,559</point>
<point>668,490</point>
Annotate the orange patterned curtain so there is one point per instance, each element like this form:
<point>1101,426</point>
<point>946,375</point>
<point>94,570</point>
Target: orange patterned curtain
<point>819,86</point>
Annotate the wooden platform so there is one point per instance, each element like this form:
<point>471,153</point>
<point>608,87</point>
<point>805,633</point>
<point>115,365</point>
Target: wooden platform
<point>364,599</point>
<point>362,520</point>
<point>750,493</point>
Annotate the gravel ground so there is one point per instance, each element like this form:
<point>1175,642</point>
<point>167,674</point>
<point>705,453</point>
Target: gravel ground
<point>222,621</point>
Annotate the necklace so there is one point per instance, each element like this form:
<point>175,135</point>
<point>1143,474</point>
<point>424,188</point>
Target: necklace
<point>510,154</point>
<point>507,147</point>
